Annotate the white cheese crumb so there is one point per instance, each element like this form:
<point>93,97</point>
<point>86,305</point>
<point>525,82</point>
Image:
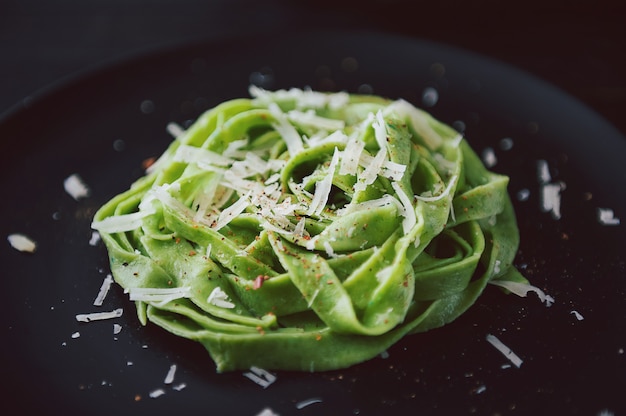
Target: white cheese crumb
<point>95,238</point>
<point>323,188</point>
<point>304,403</point>
<point>329,250</point>
<point>480,389</point>
<point>175,130</point>
<point>117,328</point>
<point>288,132</point>
<point>22,243</point>
<point>577,315</point>
<point>169,377</point>
<point>220,299</point>
<point>506,351</point>
<point>97,316</point>
<point>156,393</point>
<point>104,289</point>
<point>606,216</point>
<point>309,118</point>
<point>76,187</point>
<point>350,156</point>
<point>522,289</point>
<point>75,335</point>
<point>260,376</point>
<point>159,295</point>
<point>551,198</point>
<point>408,212</point>
<point>267,412</point>
<point>121,223</point>
<point>179,386</point>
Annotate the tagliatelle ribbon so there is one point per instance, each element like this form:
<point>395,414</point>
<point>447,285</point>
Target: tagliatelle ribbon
<point>309,231</point>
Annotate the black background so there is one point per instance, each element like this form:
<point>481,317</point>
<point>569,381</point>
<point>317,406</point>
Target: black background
<point>577,46</point>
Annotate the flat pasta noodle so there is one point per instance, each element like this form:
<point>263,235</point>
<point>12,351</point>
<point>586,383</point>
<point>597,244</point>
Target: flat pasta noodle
<point>310,231</point>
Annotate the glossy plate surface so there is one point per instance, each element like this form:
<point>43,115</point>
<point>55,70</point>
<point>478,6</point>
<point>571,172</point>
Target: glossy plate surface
<point>104,124</point>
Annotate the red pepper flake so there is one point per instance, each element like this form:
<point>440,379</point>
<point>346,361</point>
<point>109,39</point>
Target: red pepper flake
<point>318,337</point>
<point>260,330</point>
<point>330,282</point>
<point>148,162</point>
<point>258,282</point>
<point>137,397</point>
<point>177,240</point>
<point>192,253</point>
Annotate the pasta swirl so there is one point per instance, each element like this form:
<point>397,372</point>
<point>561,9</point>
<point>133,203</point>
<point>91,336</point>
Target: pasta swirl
<point>309,231</point>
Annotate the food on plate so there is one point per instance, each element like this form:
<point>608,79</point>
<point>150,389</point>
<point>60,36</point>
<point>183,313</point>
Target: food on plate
<point>310,231</point>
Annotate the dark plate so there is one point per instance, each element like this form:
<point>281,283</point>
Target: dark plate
<point>97,127</point>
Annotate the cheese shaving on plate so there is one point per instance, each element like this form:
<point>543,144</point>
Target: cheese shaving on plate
<point>22,242</point>
<point>98,316</point>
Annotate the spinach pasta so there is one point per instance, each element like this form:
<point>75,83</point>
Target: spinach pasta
<point>310,231</point>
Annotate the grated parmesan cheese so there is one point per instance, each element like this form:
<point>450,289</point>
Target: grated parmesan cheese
<point>95,238</point>
<point>408,212</point>
<point>160,296</point>
<point>288,132</point>
<point>351,156</point>
<point>260,376</point>
<point>76,187</point>
<point>550,197</point>
<point>310,119</point>
<point>104,289</point>
<point>169,377</point>
<point>22,243</point>
<point>577,315</point>
<point>304,403</point>
<point>121,223</point>
<point>606,216</point>
<point>98,316</point>
<point>444,194</point>
<point>197,155</point>
<point>267,412</point>
<point>220,299</point>
<point>323,188</point>
<point>506,351</point>
<point>179,386</point>
<point>175,130</point>
<point>522,289</point>
<point>156,393</point>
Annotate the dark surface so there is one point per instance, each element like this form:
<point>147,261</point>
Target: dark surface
<point>578,48</point>
<point>570,366</point>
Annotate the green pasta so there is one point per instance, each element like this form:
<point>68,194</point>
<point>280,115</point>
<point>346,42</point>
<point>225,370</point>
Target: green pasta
<point>310,231</point>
